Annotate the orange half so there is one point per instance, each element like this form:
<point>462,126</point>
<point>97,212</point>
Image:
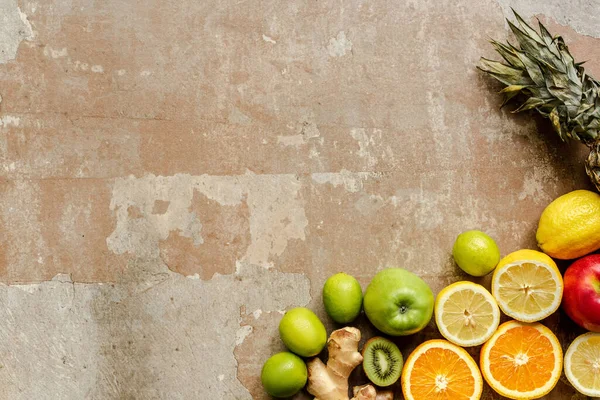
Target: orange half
<point>440,370</point>
<point>522,361</point>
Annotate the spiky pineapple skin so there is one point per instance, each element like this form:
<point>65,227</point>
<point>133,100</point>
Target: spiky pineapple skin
<point>543,75</point>
<point>592,164</point>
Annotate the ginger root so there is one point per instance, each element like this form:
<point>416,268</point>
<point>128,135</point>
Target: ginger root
<point>369,390</point>
<point>331,382</point>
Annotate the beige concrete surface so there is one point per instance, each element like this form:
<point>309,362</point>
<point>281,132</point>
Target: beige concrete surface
<point>174,175</point>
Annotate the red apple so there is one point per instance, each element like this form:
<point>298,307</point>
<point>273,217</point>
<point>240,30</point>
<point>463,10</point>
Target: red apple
<point>581,299</point>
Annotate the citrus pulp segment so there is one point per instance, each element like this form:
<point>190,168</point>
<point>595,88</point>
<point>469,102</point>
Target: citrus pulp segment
<point>527,286</point>
<point>582,364</point>
<point>437,370</point>
<point>466,314</point>
<point>522,361</point>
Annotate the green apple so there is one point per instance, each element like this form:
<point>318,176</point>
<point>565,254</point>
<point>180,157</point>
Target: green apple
<point>398,302</point>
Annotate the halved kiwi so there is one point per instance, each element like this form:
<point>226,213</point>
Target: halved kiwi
<point>382,361</point>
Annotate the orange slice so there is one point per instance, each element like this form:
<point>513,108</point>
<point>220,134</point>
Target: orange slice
<point>522,361</point>
<point>437,370</point>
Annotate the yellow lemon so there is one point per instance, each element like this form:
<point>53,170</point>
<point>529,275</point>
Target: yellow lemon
<point>527,285</point>
<point>527,254</point>
<point>466,314</point>
<point>570,226</point>
<point>582,364</point>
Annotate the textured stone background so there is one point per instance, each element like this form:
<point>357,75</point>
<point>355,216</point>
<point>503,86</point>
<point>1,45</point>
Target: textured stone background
<point>176,174</point>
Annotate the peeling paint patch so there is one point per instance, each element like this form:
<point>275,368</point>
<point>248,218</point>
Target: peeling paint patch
<point>423,207</point>
<point>55,53</point>
<point>140,236</point>
<point>276,215</point>
<point>242,334</point>
<point>351,181</point>
<point>9,120</point>
<point>307,130</point>
<point>293,140</point>
<point>227,191</point>
<point>77,64</point>
<point>238,117</point>
<point>81,66</point>
<point>268,39</point>
<point>13,30</point>
<point>339,46</point>
<point>365,144</point>
<point>276,212</point>
<point>535,183</point>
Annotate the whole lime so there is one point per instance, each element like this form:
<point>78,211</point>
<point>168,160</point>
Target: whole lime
<point>284,374</point>
<point>302,332</point>
<point>476,253</point>
<point>342,297</point>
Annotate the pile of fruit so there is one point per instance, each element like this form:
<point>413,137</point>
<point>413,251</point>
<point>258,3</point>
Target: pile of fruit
<point>519,359</point>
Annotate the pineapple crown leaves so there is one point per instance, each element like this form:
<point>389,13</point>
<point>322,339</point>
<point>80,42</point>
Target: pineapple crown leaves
<point>542,74</point>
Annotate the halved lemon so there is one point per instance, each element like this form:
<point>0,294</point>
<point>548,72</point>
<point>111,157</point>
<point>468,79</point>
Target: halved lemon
<point>527,285</point>
<point>437,370</point>
<point>466,313</point>
<point>582,364</point>
<point>522,361</point>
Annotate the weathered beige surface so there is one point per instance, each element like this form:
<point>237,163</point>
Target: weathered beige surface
<point>176,174</point>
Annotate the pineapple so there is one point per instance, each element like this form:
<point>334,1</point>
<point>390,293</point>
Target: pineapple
<point>542,75</point>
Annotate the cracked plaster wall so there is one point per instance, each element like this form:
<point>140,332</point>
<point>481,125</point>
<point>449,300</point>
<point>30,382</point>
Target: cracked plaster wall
<point>174,176</point>
<point>14,28</point>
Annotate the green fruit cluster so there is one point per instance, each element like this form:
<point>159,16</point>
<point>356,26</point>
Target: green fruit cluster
<point>397,302</point>
<point>303,333</point>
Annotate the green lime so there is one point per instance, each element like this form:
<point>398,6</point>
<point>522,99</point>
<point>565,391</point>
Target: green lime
<point>302,332</point>
<point>284,374</point>
<point>342,297</point>
<point>476,253</point>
